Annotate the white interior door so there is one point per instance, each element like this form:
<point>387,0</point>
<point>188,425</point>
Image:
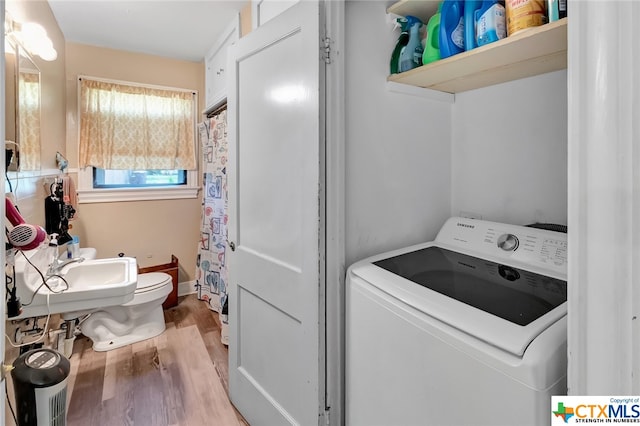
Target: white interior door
<point>276,220</point>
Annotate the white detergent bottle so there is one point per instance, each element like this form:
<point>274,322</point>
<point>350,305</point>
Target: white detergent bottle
<point>490,22</point>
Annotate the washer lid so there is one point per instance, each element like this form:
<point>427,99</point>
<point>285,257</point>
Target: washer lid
<point>151,280</point>
<point>502,305</point>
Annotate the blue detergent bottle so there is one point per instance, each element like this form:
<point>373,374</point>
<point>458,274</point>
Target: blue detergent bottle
<point>432,47</point>
<point>411,54</point>
<point>470,7</point>
<point>491,23</point>
<point>451,28</point>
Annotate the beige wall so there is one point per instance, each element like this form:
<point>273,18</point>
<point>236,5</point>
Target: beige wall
<point>245,20</point>
<point>127,66</point>
<point>30,191</point>
<point>52,76</point>
<point>151,231</point>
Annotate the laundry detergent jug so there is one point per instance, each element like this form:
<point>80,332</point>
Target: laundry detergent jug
<point>470,8</point>
<point>432,47</point>
<point>490,22</point>
<point>451,28</point>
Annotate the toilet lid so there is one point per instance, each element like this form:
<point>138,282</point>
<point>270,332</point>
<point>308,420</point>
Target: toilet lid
<point>151,281</point>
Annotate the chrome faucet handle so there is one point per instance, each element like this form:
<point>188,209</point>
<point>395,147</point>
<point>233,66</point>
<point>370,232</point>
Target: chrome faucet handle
<point>57,265</point>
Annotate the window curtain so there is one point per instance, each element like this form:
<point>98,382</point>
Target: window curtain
<point>135,127</point>
<point>211,268</point>
<point>29,126</point>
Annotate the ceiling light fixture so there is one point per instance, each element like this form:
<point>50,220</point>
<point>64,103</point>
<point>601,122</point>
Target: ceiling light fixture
<point>32,37</point>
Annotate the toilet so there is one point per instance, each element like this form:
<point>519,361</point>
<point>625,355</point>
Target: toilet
<point>140,319</point>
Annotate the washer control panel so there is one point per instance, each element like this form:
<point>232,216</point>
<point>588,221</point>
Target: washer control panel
<point>533,246</point>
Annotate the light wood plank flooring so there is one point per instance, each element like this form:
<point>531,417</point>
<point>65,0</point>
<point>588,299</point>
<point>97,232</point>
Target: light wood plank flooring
<point>177,378</point>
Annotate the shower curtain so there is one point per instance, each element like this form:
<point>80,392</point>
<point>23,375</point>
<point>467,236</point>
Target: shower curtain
<point>211,273</point>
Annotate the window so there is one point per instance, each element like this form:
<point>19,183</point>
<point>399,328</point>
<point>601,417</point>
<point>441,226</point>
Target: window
<point>137,178</point>
<point>29,117</point>
<point>136,141</point>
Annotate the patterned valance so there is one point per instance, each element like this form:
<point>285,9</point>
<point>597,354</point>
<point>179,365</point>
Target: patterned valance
<point>126,126</point>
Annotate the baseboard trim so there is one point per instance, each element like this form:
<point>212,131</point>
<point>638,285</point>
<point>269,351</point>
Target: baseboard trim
<point>186,287</point>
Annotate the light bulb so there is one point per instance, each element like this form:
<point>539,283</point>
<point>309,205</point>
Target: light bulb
<point>34,38</point>
<point>33,31</point>
<point>49,54</point>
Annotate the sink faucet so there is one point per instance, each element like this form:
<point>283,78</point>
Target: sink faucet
<point>56,265</point>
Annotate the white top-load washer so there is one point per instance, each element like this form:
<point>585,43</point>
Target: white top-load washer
<point>469,329</point>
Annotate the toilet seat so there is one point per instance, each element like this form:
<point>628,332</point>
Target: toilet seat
<point>152,285</point>
<point>151,281</point>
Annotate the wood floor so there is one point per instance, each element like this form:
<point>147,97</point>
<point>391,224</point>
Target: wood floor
<point>177,378</point>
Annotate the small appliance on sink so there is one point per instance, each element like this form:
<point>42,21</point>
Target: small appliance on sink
<point>469,329</point>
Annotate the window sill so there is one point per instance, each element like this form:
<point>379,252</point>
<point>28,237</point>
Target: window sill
<point>135,194</point>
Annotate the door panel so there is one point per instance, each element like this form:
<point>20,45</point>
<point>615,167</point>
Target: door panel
<point>261,360</point>
<point>263,11</point>
<point>272,196</point>
<point>276,369</point>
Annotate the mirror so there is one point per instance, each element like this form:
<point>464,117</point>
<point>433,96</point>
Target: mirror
<point>22,108</point>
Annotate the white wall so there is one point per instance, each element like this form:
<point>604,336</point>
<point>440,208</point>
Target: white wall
<point>398,147</point>
<point>510,151</point>
<point>498,152</point>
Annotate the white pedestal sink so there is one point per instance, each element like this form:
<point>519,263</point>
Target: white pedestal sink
<point>92,283</point>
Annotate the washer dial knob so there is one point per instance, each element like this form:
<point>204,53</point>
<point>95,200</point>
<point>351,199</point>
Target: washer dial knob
<point>508,242</point>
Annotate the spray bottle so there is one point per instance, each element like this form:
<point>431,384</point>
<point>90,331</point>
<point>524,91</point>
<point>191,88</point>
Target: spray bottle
<point>403,39</point>
<point>411,54</point>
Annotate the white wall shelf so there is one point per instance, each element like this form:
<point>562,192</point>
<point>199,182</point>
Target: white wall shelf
<point>531,52</point>
<point>419,8</point>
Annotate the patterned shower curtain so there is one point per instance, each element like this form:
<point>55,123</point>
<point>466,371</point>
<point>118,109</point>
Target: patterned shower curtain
<point>211,273</point>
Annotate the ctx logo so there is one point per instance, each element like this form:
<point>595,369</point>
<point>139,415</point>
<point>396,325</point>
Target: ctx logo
<point>582,411</point>
<point>593,411</point>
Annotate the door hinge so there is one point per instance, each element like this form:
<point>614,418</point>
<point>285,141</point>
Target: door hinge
<point>327,50</point>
